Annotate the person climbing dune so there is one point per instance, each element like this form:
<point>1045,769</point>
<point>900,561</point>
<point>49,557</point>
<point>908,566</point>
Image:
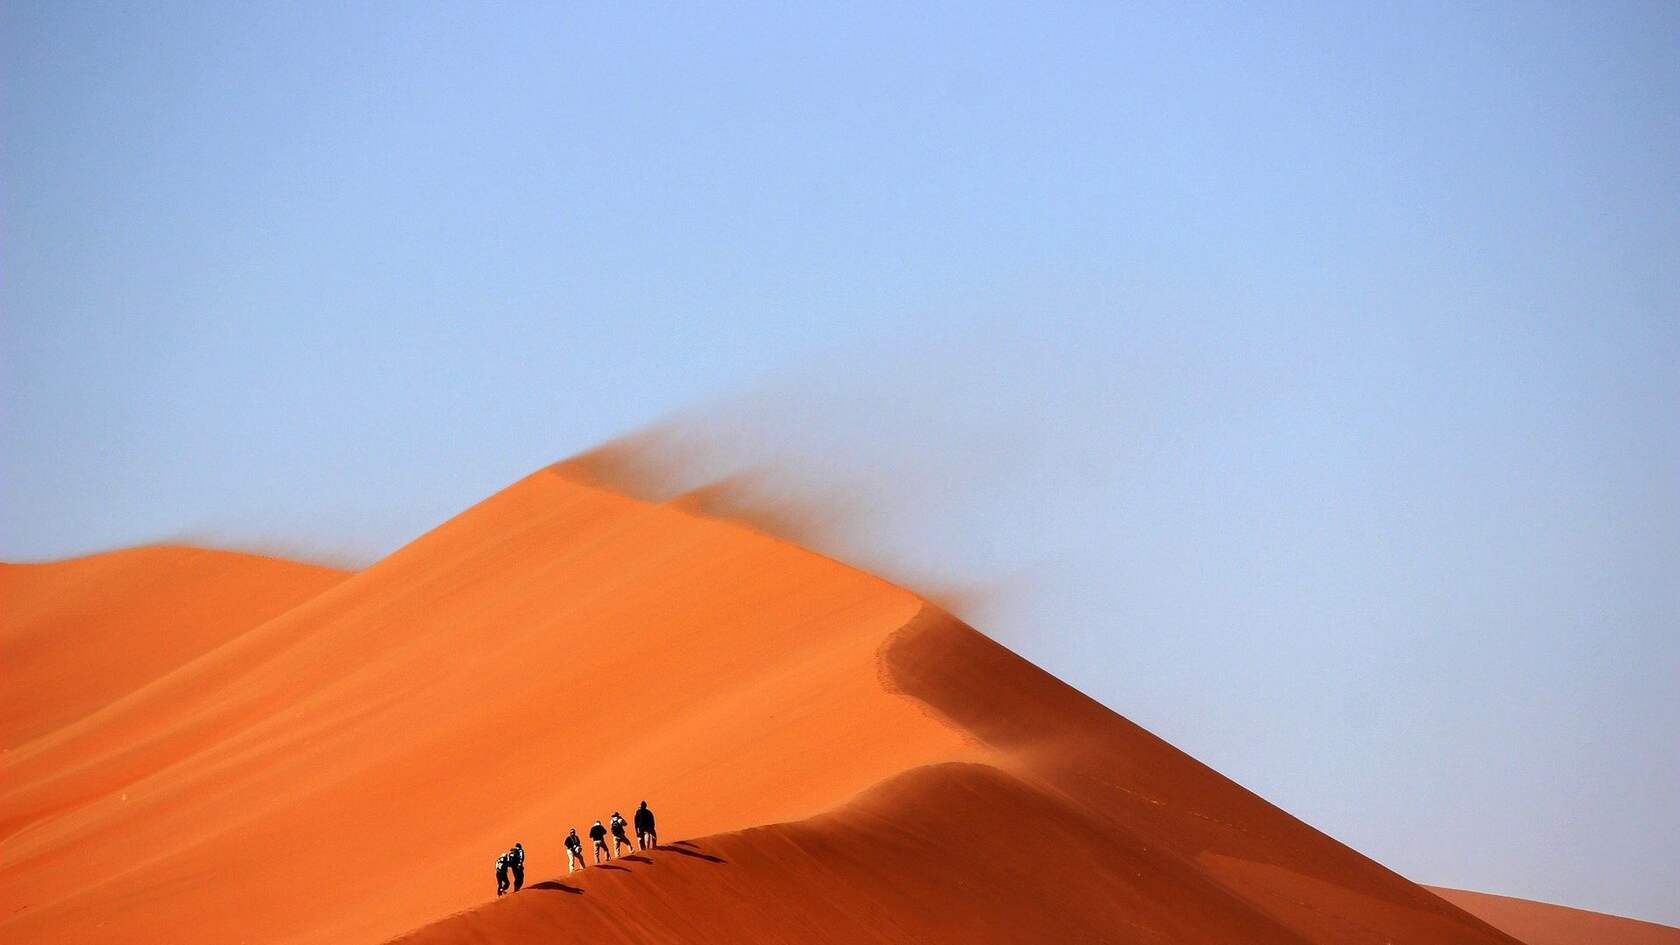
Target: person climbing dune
<point>516,865</point>
<point>502,875</point>
<point>645,835</point>
<point>618,824</point>
<point>598,834</point>
<point>574,852</point>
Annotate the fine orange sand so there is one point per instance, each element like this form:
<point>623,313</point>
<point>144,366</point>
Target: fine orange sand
<point>1541,923</point>
<point>79,634</point>
<point>263,752</point>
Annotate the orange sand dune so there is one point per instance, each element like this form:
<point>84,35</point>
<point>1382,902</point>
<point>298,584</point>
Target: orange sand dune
<point>78,634</point>
<point>1541,923</point>
<point>861,764</point>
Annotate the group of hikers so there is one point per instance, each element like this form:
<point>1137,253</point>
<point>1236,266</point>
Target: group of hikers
<point>512,863</point>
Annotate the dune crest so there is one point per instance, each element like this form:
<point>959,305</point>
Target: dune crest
<point>851,761</point>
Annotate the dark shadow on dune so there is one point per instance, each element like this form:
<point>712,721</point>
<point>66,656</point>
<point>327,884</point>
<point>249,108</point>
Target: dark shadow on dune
<point>635,858</point>
<point>682,847</point>
<point>609,866</point>
<point>556,885</point>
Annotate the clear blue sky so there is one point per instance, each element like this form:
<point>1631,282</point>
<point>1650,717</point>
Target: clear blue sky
<point>1311,376</point>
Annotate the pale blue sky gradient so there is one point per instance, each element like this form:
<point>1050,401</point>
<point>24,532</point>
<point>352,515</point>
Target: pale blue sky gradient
<point>1310,377</point>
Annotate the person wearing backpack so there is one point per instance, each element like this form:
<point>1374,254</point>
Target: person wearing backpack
<point>598,834</point>
<point>516,865</point>
<point>645,834</point>
<point>502,875</point>
<point>618,824</point>
<point>574,852</point>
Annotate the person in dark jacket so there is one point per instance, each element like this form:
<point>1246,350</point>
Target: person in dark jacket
<point>516,864</point>
<point>598,834</point>
<point>645,835</point>
<point>502,875</point>
<point>574,852</point>
<point>618,823</point>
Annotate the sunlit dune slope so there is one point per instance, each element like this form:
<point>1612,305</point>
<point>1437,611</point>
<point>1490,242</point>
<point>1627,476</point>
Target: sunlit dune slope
<point>1541,923</point>
<point>347,771</point>
<point>77,634</point>
<point>853,764</point>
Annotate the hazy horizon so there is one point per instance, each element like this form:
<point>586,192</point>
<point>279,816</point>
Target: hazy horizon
<point>1304,386</point>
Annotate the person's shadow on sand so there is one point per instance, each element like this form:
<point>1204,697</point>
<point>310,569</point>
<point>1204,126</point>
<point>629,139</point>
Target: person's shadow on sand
<point>684,847</point>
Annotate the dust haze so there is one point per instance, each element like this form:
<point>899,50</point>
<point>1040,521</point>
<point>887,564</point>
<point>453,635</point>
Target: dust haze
<point>950,469</point>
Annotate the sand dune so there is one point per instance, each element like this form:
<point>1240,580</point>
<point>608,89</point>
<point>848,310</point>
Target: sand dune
<point>1541,923</point>
<point>78,634</point>
<point>338,758</point>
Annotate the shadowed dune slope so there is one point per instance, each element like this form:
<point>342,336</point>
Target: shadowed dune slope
<point>77,634</point>
<point>1541,923</point>
<point>856,764</point>
<point>1077,826</point>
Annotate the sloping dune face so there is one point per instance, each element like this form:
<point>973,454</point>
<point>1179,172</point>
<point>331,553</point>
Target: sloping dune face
<point>76,635</point>
<point>1073,825</point>
<point>349,769</point>
<point>1541,923</point>
<point>854,763</point>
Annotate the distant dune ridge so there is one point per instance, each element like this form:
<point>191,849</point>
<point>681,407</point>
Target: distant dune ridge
<point>203,747</point>
<point>1541,923</point>
<point>79,634</point>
